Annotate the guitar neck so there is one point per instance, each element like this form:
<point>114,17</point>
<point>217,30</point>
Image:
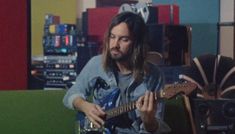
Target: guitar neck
<point>125,108</point>
<point>168,92</point>
<point>120,110</point>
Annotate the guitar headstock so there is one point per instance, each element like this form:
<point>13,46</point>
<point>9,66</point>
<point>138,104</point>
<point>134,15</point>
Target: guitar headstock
<point>172,90</point>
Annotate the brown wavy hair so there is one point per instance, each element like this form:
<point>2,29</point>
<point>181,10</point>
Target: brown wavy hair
<point>138,31</point>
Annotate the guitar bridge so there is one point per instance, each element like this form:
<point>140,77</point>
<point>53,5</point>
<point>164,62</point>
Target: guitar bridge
<point>89,128</point>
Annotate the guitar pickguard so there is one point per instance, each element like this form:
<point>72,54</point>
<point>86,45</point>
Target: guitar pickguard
<point>110,100</point>
<point>106,103</point>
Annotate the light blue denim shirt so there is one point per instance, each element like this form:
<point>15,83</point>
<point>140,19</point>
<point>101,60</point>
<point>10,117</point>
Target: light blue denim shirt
<point>93,68</point>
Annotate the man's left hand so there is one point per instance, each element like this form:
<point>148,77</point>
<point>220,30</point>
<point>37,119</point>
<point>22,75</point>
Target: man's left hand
<point>147,105</point>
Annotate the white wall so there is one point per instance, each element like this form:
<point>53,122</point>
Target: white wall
<point>226,46</point>
<point>226,10</point>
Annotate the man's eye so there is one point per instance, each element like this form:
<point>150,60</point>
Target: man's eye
<point>125,39</point>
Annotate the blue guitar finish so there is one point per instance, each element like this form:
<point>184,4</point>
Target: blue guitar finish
<point>106,103</point>
<point>110,100</point>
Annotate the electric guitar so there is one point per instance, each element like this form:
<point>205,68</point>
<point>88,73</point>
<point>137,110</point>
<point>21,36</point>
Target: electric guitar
<point>108,103</point>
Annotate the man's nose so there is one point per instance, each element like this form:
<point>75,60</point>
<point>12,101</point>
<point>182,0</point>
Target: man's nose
<point>116,42</point>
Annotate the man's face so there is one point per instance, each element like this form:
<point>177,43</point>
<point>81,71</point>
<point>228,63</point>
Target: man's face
<point>120,42</point>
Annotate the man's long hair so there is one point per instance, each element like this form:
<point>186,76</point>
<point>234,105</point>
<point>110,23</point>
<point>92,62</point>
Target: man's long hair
<point>139,47</point>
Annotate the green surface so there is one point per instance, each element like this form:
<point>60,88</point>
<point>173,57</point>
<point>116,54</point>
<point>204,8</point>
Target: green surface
<point>35,112</point>
<point>42,112</point>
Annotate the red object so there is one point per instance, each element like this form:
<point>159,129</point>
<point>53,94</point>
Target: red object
<point>14,45</point>
<point>167,14</point>
<point>67,40</point>
<point>56,19</point>
<point>98,22</point>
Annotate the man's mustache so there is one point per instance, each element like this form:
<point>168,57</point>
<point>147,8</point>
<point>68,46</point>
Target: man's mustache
<point>114,49</point>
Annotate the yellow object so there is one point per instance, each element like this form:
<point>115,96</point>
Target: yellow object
<point>52,29</point>
<point>65,9</point>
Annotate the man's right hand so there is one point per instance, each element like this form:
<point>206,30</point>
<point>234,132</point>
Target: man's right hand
<point>92,111</point>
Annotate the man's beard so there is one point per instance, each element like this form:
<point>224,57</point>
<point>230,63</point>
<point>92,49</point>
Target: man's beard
<point>120,56</point>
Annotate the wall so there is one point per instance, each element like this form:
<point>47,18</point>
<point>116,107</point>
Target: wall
<point>203,16</point>
<point>226,47</point>
<point>63,8</point>
<point>14,44</point>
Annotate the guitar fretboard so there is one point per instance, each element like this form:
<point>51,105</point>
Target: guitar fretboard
<point>167,93</point>
<point>125,108</point>
<point>120,110</point>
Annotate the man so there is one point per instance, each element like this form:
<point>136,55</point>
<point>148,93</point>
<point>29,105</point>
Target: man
<point>121,67</point>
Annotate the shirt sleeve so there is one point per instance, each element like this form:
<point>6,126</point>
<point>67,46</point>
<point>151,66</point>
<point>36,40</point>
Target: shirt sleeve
<point>80,88</point>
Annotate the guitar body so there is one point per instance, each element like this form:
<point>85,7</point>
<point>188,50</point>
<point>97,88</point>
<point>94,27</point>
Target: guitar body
<point>106,103</point>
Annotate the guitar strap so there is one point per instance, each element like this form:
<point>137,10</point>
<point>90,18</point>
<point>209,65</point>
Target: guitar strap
<point>135,83</point>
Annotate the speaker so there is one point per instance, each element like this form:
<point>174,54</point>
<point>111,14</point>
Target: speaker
<point>85,53</point>
<point>214,116</point>
<point>98,20</point>
<point>172,41</point>
<point>167,14</point>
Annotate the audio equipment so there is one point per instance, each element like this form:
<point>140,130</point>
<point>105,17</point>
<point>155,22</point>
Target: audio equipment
<point>167,14</point>
<point>86,52</point>
<point>98,20</point>
<point>60,71</point>
<point>214,116</point>
<point>60,53</point>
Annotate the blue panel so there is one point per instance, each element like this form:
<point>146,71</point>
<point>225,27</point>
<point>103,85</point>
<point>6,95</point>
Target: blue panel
<point>204,38</point>
<point>195,11</point>
<point>203,16</point>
